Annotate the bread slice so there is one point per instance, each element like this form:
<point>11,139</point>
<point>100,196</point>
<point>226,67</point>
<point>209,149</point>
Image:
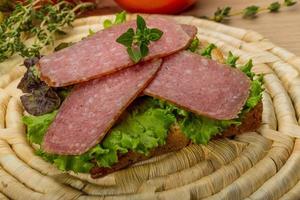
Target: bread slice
<point>176,140</point>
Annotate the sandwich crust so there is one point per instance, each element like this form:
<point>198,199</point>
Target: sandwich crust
<point>176,140</point>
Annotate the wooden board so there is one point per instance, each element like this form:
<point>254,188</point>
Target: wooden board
<point>260,165</point>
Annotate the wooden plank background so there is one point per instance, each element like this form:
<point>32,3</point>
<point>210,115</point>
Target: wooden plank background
<point>282,28</point>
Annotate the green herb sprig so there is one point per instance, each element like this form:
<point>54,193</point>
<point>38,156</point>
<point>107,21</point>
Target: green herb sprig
<point>137,41</point>
<point>41,23</point>
<point>120,18</point>
<point>223,14</point>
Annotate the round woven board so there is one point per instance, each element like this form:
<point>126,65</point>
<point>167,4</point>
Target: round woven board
<point>259,165</point>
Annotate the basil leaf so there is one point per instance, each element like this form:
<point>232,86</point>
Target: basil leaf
<point>137,42</point>
<point>126,38</point>
<point>141,24</point>
<point>144,49</point>
<point>155,34</point>
<point>135,55</point>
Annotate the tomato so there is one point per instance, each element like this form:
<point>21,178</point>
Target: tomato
<point>155,6</point>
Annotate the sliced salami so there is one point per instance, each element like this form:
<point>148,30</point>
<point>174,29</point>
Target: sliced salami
<point>190,30</point>
<point>201,85</point>
<point>100,54</point>
<point>92,108</point>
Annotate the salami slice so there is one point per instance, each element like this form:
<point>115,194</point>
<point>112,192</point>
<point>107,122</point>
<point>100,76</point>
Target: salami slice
<point>201,85</point>
<point>100,54</point>
<point>93,107</point>
<point>190,30</point>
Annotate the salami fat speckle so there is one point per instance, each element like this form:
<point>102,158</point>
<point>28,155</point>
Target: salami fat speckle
<point>92,108</point>
<point>201,85</point>
<point>100,54</point>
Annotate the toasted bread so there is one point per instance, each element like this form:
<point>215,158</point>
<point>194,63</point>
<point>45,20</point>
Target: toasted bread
<point>176,140</point>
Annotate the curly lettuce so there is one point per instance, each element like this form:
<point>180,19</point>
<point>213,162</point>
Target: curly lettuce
<point>143,127</point>
<point>37,126</point>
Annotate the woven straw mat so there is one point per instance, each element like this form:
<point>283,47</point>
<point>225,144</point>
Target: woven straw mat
<point>261,165</point>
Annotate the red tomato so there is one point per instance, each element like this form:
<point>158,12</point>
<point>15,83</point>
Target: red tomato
<point>155,6</point>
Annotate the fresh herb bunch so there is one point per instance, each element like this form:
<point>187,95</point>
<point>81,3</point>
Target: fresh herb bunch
<point>137,41</point>
<point>249,12</point>
<point>33,20</point>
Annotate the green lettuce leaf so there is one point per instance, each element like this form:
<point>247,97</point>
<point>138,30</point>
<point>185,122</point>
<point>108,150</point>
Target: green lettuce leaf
<point>37,126</point>
<point>231,59</point>
<point>194,44</point>
<point>201,129</point>
<point>255,95</point>
<point>141,128</point>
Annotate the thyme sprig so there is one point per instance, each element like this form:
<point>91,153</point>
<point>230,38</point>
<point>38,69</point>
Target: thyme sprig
<point>223,14</point>
<point>38,21</point>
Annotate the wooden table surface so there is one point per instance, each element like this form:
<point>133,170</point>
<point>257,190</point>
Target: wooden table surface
<point>281,28</point>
